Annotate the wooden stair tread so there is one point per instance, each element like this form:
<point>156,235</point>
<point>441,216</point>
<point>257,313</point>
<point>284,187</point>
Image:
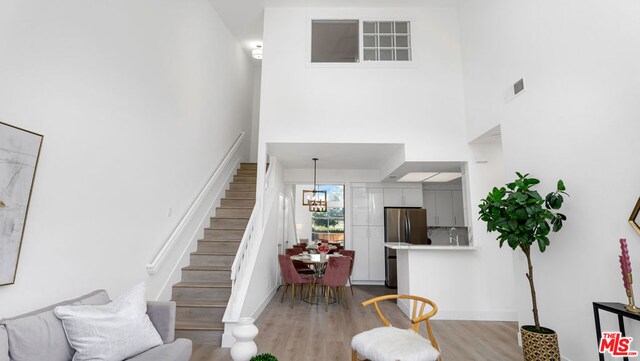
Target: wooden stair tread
<point>221,229</point>
<point>203,285</point>
<point>201,304</point>
<point>232,254</point>
<point>227,217</point>
<point>234,240</point>
<point>200,326</point>
<point>207,268</point>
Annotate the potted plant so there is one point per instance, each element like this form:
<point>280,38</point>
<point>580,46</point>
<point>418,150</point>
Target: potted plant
<point>264,357</point>
<point>524,219</point>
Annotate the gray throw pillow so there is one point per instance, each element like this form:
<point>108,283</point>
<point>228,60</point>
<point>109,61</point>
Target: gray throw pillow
<point>39,336</point>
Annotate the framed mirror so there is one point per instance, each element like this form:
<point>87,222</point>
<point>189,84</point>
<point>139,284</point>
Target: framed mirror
<point>634,219</point>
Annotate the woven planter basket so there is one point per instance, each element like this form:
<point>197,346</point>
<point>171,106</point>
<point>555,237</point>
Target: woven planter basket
<point>540,346</point>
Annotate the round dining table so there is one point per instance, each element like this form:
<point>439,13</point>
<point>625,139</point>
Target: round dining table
<point>319,265</point>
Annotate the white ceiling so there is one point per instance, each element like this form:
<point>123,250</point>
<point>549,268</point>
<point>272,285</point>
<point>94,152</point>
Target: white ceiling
<point>244,18</point>
<point>333,155</point>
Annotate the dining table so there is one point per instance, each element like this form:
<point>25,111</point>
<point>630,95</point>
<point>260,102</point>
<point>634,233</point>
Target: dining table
<point>319,265</point>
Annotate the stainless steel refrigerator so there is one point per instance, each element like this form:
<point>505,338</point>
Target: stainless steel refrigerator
<point>406,225</point>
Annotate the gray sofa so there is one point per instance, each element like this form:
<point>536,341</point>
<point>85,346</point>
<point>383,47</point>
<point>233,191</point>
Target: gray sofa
<point>39,336</point>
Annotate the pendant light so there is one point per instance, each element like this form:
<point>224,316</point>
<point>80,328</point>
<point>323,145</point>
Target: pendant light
<point>315,199</point>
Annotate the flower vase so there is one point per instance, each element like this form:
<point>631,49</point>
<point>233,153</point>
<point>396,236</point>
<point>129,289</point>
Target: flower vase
<point>323,256</point>
<point>244,332</point>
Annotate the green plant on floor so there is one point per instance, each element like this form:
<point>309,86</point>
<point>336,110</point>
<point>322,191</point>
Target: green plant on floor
<point>264,357</point>
<point>523,218</point>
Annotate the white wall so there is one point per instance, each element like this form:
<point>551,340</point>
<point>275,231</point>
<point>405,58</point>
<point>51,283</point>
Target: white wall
<point>577,121</point>
<point>302,214</point>
<point>420,105</point>
<point>138,102</point>
<point>255,114</point>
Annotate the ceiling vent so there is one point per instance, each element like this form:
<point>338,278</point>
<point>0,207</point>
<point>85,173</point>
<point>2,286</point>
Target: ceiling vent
<point>516,89</point>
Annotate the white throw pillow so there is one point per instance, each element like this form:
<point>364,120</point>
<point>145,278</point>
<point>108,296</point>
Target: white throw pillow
<point>111,332</point>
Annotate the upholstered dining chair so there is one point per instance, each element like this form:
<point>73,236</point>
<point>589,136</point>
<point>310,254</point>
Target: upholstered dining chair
<point>291,277</point>
<point>352,255</point>
<point>335,279</point>
<point>391,343</point>
<point>300,266</point>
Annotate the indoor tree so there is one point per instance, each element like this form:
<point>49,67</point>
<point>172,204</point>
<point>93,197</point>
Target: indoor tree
<point>523,219</point>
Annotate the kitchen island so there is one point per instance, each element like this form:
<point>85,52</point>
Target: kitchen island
<point>420,269</point>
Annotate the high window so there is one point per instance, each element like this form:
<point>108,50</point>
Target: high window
<point>353,41</point>
<point>386,41</point>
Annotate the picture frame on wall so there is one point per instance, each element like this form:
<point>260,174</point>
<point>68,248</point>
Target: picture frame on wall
<point>19,156</point>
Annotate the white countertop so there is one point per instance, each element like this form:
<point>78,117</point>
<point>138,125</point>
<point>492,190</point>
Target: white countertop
<point>409,246</point>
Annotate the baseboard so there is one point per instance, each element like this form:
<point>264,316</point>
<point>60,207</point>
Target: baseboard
<point>466,315</point>
<point>480,315</point>
<point>368,283</point>
<point>258,311</point>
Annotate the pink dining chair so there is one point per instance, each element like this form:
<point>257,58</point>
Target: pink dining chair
<point>335,279</point>
<point>352,254</point>
<point>300,266</point>
<point>292,278</point>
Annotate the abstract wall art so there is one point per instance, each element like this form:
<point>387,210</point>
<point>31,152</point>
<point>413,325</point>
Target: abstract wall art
<point>19,154</point>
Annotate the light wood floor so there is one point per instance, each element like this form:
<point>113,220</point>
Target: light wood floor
<point>307,332</point>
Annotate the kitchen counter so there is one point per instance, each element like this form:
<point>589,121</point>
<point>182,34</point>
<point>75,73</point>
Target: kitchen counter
<point>424,247</point>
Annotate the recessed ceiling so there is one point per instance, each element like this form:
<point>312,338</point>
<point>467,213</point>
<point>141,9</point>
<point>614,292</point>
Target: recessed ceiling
<point>416,176</point>
<point>433,168</point>
<point>245,18</point>
<point>333,155</point>
<point>443,177</point>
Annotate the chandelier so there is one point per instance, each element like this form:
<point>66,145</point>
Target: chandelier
<point>315,199</point>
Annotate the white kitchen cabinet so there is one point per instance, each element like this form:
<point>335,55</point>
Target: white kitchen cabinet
<point>412,197</point>
<point>376,206</point>
<point>360,235</point>
<point>458,209</point>
<point>403,197</point>
<point>359,207</point>
<point>393,197</point>
<point>430,206</point>
<point>444,208</point>
<point>367,206</point>
<point>376,253</point>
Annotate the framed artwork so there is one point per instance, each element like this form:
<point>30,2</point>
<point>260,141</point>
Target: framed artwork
<point>634,220</point>
<point>19,154</point>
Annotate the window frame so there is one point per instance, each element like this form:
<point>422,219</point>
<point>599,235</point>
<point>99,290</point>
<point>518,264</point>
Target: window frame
<point>344,212</point>
<point>413,35</point>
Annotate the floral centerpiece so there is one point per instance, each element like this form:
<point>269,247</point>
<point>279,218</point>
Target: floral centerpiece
<point>323,249</point>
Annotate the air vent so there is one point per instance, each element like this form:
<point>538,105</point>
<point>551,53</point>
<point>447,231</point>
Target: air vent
<point>514,90</point>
